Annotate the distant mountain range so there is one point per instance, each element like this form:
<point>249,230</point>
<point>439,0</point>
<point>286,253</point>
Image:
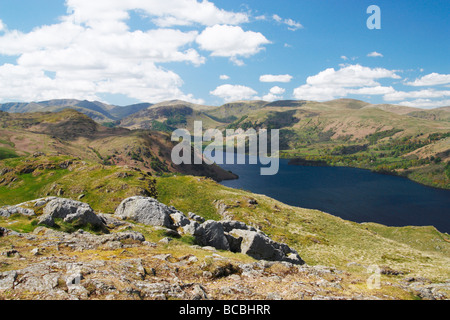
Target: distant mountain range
<point>345,132</point>
<point>96,110</point>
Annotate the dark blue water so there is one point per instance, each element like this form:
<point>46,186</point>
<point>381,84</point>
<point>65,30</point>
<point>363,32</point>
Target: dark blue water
<point>352,194</point>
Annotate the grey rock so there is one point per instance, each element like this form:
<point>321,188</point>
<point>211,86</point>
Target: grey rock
<point>165,240</point>
<point>199,293</point>
<point>179,219</point>
<point>232,225</point>
<point>145,210</point>
<point>211,233</point>
<point>261,247</point>
<point>195,217</point>
<point>191,228</point>
<point>4,232</point>
<point>234,242</point>
<point>110,220</point>
<point>10,210</point>
<point>43,201</point>
<point>36,252</point>
<point>7,280</point>
<point>70,211</point>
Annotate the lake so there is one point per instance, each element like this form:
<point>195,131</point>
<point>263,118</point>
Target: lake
<point>352,194</point>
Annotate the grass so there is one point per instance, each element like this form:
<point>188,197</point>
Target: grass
<point>319,238</point>
<point>6,153</point>
<point>19,223</point>
<point>103,187</point>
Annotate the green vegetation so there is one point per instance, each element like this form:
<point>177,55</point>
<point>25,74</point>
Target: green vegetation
<point>163,127</point>
<point>6,153</point>
<point>104,187</point>
<point>320,238</point>
<point>373,138</point>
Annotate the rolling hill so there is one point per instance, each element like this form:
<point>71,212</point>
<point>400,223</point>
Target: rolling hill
<point>71,133</point>
<point>97,111</point>
<point>386,138</point>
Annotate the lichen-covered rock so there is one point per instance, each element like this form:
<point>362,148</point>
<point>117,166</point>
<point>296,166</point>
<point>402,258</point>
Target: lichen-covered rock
<point>8,211</point>
<point>230,225</point>
<point>211,233</point>
<point>70,211</point>
<point>145,210</point>
<point>261,247</point>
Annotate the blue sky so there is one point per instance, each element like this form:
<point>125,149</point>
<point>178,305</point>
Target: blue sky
<point>211,52</point>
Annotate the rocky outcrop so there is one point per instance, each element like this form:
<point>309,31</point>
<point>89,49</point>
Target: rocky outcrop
<point>70,211</point>
<point>261,247</point>
<point>211,233</point>
<point>228,235</point>
<point>8,211</point>
<point>145,210</point>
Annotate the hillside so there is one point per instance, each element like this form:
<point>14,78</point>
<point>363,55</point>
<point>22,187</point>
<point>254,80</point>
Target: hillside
<point>386,138</point>
<point>74,134</point>
<point>137,261</point>
<point>98,111</point>
<point>68,155</point>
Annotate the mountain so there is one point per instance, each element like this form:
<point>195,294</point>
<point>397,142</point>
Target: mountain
<point>345,132</point>
<point>69,132</point>
<point>166,116</point>
<point>96,110</point>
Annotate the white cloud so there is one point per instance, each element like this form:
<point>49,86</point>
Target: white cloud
<point>425,103</point>
<point>275,78</point>
<point>351,76</point>
<point>231,41</point>
<point>431,79</point>
<point>230,92</point>
<point>277,18</point>
<point>275,93</point>
<point>277,90</point>
<point>224,77</point>
<point>292,25</point>
<point>352,79</point>
<point>2,26</point>
<point>421,94</point>
<point>166,13</point>
<point>375,54</point>
<point>345,58</point>
<point>92,51</point>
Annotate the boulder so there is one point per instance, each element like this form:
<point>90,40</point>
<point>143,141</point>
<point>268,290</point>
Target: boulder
<point>8,211</point>
<point>211,233</point>
<point>229,225</point>
<point>195,217</point>
<point>179,219</point>
<point>261,247</point>
<point>191,228</point>
<point>145,210</point>
<point>4,232</point>
<point>71,212</point>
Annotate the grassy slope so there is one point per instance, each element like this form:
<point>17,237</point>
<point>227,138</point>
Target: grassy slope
<point>74,134</point>
<point>320,238</point>
<point>103,187</point>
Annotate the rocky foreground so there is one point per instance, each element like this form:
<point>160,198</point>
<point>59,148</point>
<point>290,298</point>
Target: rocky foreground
<point>230,259</point>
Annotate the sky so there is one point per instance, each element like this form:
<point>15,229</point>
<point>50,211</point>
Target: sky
<point>213,52</point>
